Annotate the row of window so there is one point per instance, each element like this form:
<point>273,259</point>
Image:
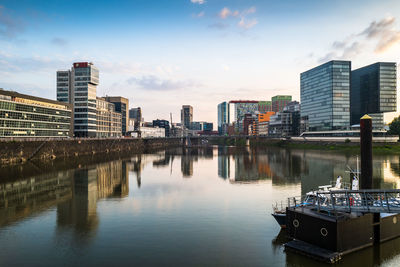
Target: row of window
<point>32,117</point>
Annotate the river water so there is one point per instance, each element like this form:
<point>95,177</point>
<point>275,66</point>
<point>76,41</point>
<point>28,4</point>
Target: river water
<point>195,206</point>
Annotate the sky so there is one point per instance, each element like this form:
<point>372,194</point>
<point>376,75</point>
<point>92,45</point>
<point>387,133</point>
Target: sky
<point>167,53</point>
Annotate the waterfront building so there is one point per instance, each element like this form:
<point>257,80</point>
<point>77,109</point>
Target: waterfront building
<point>64,83</point>
<point>29,116</point>
<point>325,96</point>
<point>373,92</point>
<point>121,105</point>
<point>187,116</point>
<point>287,122</point>
<point>223,118</point>
<point>262,123</point>
<point>162,124</point>
<point>279,102</point>
<point>108,121</point>
<point>241,108</point>
<point>208,126</point>
<point>82,81</point>
<point>264,106</point>
<point>152,132</point>
<point>136,115</point>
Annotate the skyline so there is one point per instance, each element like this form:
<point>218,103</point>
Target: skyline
<point>164,54</point>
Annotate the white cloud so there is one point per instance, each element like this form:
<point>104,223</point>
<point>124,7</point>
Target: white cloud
<point>247,24</point>
<point>200,2</point>
<point>199,15</point>
<point>224,13</point>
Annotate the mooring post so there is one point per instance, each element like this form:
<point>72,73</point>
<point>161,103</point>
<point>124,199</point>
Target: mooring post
<point>366,152</point>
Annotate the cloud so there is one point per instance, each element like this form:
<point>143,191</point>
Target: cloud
<point>59,41</point>
<point>381,35</point>
<point>247,24</point>
<point>10,27</point>
<point>387,42</point>
<point>377,28</point>
<point>200,2</point>
<point>224,13</point>
<point>243,23</point>
<point>154,83</point>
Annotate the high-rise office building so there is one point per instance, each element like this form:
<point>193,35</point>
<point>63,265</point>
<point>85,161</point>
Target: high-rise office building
<point>373,92</point>
<point>122,106</point>
<point>187,116</point>
<point>223,118</point>
<point>279,102</point>
<point>82,81</point>
<point>325,96</point>
<point>136,115</point>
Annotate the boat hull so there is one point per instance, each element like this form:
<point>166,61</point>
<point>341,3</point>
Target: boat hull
<point>280,218</point>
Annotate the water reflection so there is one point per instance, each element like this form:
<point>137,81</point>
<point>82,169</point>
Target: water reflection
<point>225,200</point>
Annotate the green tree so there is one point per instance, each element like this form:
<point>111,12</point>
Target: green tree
<point>394,126</point>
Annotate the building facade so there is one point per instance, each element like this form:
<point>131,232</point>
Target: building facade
<point>162,124</point>
<point>122,106</point>
<point>82,81</point>
<point>223,118</point>
<point>107,119</point>
<point>187,116</point>
<point>136,115</point>
<point>264,106</point>
<point>373,92</point>
<point>241,108</point>
<point>279,102</point>
<point>325,96</point>
<point>28,116</point>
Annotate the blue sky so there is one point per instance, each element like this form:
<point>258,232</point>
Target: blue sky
<point>162,54</point>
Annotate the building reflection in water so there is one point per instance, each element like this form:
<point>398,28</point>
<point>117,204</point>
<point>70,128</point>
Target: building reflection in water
<point>79,213</point>
<point>26,197</point>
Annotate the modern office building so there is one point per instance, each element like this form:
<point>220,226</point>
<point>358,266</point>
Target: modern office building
<point>122,106</point>
<point>136,115</point>
<point>287,122</point>
<point>187,115</point>
<point>223,118</point>
<point>241,108</point>
<point>279,102</point>
<point>325,96</point>
<point>162,124</point>
<point>28,116</point>
<point>208,126</point>
<point>64,83</point>
<point>264,106</point>
<point>373,92</point>
<point>107,119</point>
<point>82,81</point>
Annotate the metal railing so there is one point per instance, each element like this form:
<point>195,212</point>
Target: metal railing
<point>371,200</point>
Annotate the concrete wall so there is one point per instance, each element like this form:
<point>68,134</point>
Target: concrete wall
<point>21,150</point>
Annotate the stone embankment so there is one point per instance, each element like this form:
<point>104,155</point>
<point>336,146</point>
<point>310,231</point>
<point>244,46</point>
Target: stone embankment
<point>16,151</point>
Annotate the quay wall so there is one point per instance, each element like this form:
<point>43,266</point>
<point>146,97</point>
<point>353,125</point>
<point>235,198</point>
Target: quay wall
<point>16,151</point>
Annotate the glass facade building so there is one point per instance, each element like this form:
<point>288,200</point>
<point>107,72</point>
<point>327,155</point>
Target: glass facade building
<point>29,116</point>
<point>373,92</point>
<point>325,96</point>
<point>223,118</point>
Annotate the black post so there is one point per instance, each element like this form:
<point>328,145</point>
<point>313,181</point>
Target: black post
<point>366,152</point>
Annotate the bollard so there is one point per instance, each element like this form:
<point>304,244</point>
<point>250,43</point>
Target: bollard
<point>366,152</point>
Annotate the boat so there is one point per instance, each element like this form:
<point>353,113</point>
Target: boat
<point>313,196</point>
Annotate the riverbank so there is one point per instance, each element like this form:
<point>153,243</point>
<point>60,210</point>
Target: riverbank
<point>378,148</point>
<point>13,152</point>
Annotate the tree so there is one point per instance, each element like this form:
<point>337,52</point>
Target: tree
<point>394,126</point>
